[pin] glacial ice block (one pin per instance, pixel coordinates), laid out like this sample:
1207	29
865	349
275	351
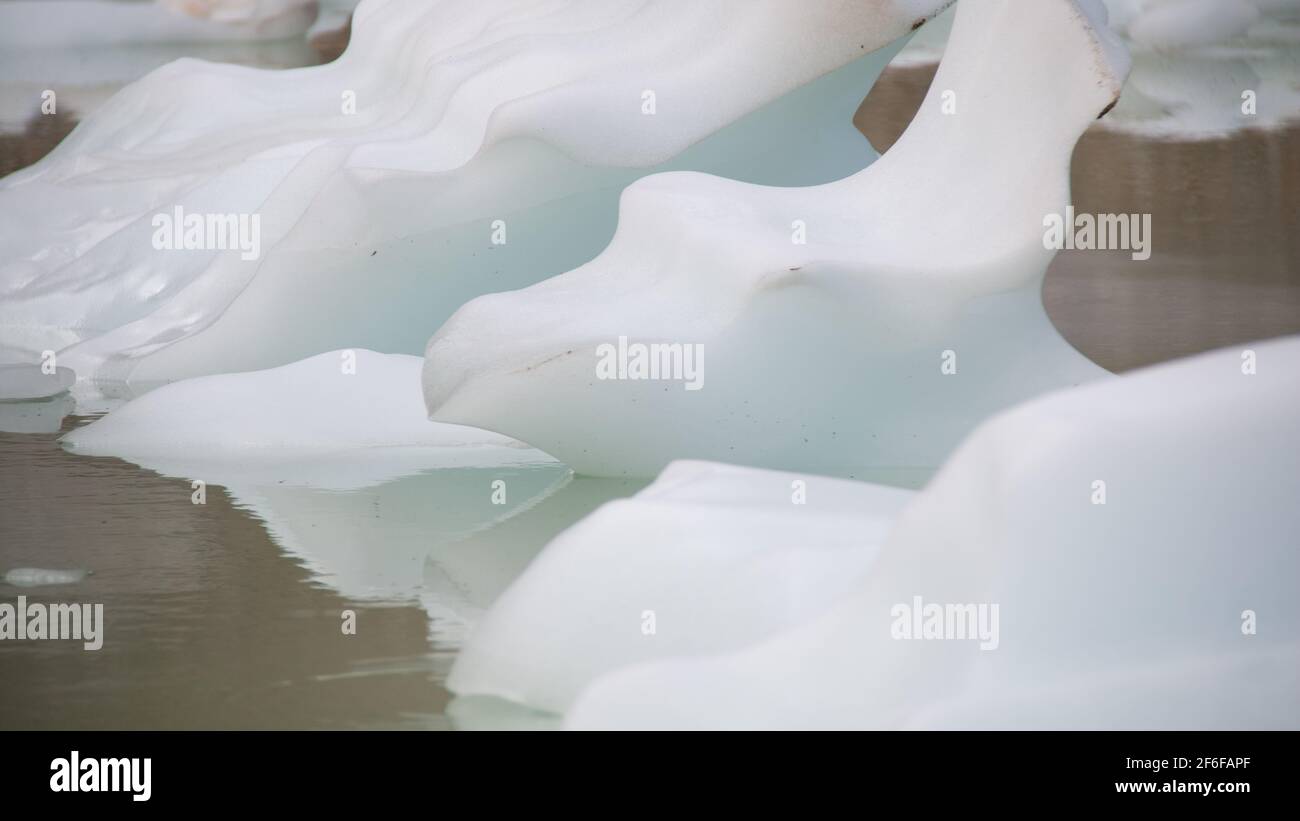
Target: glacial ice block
454	149
1137	537
336	401
709	558
334	455
848	328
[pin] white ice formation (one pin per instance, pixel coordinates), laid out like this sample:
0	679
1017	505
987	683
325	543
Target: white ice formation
709	558
1137	537
334	454
852	328
455	148
341	400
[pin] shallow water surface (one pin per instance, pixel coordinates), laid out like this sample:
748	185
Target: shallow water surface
213	622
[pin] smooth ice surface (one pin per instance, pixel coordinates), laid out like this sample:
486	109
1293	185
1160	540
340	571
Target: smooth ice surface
1171	604
382	179
334	401
707	559
826	355
342	467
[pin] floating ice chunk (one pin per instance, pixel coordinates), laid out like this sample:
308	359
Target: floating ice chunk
335	456
864	324
39	577
707	559
454	149
1137	537
18	381
334	401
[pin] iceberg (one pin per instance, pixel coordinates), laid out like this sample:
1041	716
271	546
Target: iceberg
335	456
1132	540
856	328
454	149
340	400
708	558
1137	537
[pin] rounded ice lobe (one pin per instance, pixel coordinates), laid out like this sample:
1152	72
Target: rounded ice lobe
334	401
707	559
1105	557
1125	604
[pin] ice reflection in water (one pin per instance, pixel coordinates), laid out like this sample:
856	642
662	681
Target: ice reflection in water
228	614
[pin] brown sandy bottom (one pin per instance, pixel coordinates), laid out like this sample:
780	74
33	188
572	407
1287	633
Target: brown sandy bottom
1225	214
210	624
